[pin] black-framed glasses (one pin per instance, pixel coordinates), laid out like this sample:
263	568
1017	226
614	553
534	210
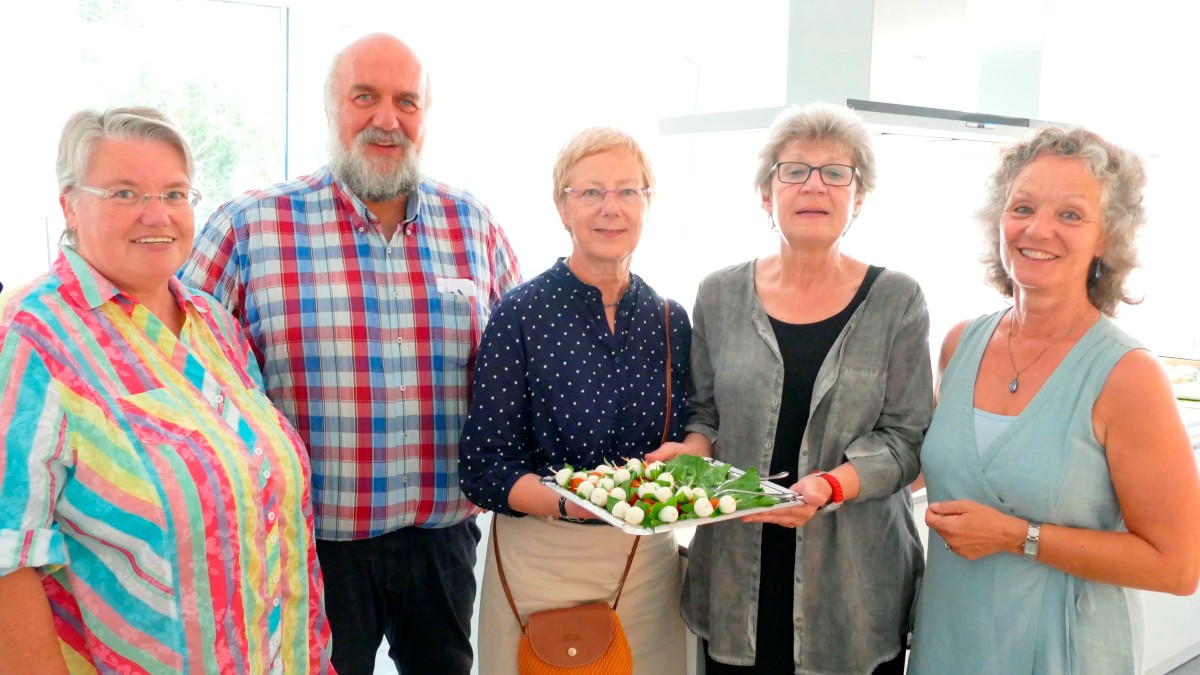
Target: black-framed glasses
833	175
171	199
593	196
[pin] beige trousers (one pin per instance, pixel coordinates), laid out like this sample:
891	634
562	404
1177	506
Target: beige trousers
550	564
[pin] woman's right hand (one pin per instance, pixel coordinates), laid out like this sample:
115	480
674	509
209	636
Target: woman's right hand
694	444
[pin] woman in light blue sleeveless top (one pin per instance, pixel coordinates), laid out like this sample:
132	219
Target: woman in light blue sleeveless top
1056	441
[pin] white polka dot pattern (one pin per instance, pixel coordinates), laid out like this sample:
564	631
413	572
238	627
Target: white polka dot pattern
554	386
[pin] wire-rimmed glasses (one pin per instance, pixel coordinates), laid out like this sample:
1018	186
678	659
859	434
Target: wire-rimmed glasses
593	196
128	197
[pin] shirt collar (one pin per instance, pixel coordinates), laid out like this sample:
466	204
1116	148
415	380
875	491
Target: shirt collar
576	285
358	206
85	286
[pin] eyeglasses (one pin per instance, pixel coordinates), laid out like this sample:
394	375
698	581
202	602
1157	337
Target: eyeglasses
593	196
171	199
833	175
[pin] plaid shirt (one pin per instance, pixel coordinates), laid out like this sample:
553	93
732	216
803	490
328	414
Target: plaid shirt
366	345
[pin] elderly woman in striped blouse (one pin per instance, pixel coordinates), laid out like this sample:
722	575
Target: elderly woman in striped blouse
154	506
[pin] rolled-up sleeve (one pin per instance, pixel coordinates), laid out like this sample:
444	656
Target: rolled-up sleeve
494	449
33	458
888	457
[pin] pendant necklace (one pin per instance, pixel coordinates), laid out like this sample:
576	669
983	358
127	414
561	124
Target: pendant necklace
1013	383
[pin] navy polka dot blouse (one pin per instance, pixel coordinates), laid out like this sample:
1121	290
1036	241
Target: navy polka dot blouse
554	386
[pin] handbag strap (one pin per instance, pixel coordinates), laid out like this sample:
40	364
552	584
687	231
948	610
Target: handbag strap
636	540
508	593
667	328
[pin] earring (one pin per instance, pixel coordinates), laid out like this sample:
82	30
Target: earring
1097	269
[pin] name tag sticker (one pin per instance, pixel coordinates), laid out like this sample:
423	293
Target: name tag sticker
463	287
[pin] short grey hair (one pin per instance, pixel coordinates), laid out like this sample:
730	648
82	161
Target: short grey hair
1121	176
818	122
86	127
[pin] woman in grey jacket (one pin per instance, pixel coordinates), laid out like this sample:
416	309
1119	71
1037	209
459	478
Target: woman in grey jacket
815	363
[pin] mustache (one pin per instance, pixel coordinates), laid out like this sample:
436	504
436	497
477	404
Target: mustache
382	136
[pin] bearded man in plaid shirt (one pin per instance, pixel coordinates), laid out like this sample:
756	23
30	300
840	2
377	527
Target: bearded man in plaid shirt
364	289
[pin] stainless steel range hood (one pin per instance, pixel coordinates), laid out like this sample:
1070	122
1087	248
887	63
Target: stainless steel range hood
853	36
881	118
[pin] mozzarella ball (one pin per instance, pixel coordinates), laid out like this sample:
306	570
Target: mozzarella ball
607	483
621	476
635	466
562	477
599	496
593	478
604	469
663	493
704	508
635	515
687	493
618	493
699	493
585	489
646	489
669	514
620	509
726	504
579	474
666	478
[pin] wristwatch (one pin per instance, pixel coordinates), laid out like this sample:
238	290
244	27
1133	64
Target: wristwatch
1032	536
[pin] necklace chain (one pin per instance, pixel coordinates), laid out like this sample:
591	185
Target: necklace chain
1013	383
607	305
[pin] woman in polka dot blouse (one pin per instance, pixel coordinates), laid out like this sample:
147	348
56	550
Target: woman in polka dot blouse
572	370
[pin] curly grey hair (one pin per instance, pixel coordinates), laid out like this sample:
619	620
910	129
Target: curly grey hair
817	122
1121	177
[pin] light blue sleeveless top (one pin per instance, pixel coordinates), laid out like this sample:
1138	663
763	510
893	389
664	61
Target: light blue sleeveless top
1004	614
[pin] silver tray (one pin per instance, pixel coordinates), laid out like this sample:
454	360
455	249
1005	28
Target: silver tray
788	498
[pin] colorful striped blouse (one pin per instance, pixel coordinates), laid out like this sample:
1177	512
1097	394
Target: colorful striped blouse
163	499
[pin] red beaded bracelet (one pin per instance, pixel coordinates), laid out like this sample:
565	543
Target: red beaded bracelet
836	486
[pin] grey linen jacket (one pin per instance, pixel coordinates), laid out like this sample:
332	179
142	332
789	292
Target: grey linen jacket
857	568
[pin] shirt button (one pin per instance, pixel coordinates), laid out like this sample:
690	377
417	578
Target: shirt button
400	339
389	251
220	398
266	473
403	387
273	538
258	452
271	516
395	294
276	602
362	229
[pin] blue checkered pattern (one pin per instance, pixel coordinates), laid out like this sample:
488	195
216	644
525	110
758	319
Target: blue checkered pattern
359	348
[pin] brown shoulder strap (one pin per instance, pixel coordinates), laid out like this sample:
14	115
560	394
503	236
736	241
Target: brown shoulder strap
667	323
508	594
503	581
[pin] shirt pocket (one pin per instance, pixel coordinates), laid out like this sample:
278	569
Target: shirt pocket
458	329
158	417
